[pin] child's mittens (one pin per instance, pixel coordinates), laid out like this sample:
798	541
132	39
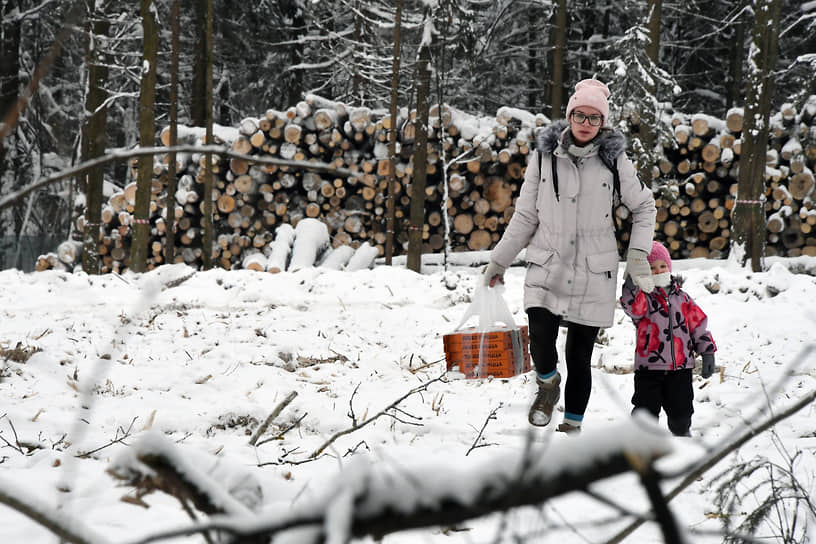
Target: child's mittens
708	365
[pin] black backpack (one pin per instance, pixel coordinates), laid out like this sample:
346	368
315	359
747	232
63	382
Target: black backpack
621	221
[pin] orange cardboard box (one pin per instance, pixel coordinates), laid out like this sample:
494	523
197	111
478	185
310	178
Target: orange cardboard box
503	352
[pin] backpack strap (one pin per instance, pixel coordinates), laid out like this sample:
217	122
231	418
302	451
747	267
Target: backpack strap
554	171
616	196
613	167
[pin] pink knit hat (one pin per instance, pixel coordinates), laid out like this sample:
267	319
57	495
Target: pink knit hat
659	253
592	93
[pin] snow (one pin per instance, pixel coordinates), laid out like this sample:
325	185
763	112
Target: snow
188	363
311	239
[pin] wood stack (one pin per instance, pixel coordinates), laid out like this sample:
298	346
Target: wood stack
694	183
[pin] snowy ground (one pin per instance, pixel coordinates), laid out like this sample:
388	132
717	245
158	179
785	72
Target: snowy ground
204	361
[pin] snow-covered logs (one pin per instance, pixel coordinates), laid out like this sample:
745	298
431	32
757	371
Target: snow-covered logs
695	182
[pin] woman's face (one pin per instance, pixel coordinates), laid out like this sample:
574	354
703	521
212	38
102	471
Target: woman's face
584	131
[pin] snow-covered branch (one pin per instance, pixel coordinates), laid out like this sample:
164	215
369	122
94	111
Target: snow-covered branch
369	498
68	528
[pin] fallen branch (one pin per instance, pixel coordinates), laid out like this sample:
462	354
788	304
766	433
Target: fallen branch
383	412
278	409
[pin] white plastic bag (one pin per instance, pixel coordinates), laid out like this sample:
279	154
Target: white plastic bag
489	306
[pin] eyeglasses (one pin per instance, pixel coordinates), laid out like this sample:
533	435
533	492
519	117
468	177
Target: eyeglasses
594	120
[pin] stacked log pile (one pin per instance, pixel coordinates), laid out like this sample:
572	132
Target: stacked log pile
694	181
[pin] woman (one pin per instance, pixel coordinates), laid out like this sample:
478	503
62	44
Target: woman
572	259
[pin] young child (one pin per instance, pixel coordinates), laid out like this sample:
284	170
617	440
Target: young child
671	328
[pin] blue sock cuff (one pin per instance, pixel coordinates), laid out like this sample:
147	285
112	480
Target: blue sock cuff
569	416
547	376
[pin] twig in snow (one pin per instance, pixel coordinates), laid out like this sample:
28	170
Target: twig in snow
354	449
381	413
490	416
178	281
284	431
278	409
426	365
117	439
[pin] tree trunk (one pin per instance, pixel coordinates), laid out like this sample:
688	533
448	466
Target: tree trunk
392	142
735	84
532	93
648	110
749	218
414	258
558	56
293	11
9	76
198	90
94	138
170	204
147	101
207	220
356	80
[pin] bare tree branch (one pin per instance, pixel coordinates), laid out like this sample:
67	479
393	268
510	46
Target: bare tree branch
384	412
650	480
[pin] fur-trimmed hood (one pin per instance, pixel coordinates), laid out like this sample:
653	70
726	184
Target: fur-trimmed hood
611	143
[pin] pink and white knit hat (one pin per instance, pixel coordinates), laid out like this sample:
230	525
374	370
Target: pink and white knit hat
659	253
592	93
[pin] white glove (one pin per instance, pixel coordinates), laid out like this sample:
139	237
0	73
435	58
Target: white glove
637	267
492	273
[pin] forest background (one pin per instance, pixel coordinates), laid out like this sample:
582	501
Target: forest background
74	82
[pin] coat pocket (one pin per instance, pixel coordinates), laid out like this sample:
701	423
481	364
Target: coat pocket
539	256
603	262
539	262
602	279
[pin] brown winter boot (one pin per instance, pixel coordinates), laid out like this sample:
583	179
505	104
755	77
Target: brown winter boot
542	408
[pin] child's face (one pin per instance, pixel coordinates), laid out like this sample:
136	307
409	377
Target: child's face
659	266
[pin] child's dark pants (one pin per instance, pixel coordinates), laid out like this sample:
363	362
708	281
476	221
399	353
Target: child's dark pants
670	389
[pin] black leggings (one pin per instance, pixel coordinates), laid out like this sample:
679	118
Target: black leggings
543	326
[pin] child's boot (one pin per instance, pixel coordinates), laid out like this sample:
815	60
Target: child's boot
680	426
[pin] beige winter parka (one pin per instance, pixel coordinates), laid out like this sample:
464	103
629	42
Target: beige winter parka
572	256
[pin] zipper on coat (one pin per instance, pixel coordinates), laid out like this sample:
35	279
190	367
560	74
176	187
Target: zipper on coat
671	334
